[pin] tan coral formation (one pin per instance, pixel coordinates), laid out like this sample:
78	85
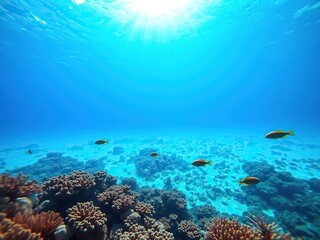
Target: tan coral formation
18	186
9	230
188	230
85	217
225	229
44	223
64	185
120	198
152	230
144	209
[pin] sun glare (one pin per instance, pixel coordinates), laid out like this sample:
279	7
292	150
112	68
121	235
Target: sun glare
155	19
160	8
78	2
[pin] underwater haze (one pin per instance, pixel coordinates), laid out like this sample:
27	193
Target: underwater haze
177	99
101	64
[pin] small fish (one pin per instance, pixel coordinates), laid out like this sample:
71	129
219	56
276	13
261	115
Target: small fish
29	151
279	134
249	180
99	142
154	154
201	163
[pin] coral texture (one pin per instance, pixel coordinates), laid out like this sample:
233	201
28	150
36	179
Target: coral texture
144	209
165	202
152	230
65	185
100	177
44	223
296	201
19	186
120	198
85	217
188	231
10	230
225	229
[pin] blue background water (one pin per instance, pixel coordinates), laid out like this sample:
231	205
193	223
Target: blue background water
233	64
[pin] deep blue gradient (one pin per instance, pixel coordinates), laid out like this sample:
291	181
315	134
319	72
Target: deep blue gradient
253	64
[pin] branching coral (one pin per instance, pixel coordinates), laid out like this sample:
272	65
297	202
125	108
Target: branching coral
100	177
144	209
65	185
225	229
44	223
268	231
165	202
152	230
120	198
10	230
188	231
19	186
170	223
85	217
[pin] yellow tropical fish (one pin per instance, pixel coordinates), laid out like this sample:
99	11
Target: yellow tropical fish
279	134
201	163
249	180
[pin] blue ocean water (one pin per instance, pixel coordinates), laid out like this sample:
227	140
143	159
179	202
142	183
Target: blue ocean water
186	79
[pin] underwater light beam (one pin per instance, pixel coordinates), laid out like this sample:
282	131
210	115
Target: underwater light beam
160	8
156	13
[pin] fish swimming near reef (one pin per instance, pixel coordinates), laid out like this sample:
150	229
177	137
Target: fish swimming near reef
249	181
201	163
101	141
154	154
29	151
279	134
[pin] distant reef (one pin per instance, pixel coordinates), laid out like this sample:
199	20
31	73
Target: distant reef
90	204
296	202
55	164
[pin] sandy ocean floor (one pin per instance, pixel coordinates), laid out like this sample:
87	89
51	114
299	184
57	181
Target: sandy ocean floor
228	151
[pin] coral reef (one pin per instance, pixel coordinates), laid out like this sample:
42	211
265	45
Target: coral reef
188	231
87	220
147	166
151	230
224	228
55	164
119	198
165	202
28	226
52	165
13	231
85	217
100	177
95	207
19	186
49	222
268	231
203	214
132	182
296	201
144	209
72	184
